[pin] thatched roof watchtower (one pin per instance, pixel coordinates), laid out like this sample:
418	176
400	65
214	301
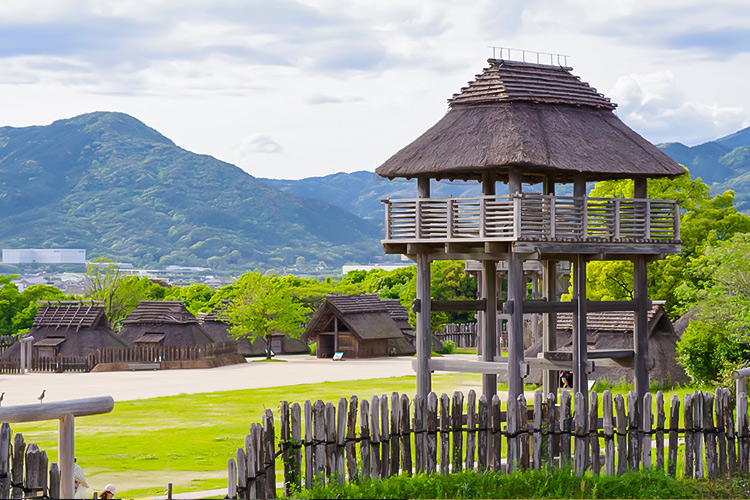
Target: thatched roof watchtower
519	122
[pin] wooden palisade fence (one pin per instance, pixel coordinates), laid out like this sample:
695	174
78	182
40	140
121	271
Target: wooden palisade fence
25	471
442	434
461	334
58	364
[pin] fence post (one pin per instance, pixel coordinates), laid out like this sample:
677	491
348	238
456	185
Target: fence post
565	428
742	431
270	454
471	427
43	472
33	456
405	427
247	471
622	439
698	435
457	411
19	448
593	432
674	423
341	417
351	435
285	431
484	423
709	429
538	440
609	434
513	451
309	466
660	419
296	453
330	433
646	428
395	440
319	435
495	438
721	439
445	452
689	446
54	481
5	460
375	441
553	439
634	455
242	477
385	438
432	430
580	448
523	424
364	437
730	434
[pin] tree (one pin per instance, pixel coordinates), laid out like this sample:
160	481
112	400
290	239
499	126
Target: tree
18	309
704	220
120	293
719	339
261	307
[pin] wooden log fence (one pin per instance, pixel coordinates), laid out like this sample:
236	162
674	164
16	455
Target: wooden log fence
461	334
59	364
25	471
442	435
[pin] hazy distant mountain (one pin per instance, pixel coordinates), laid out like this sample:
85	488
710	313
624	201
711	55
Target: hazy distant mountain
361	192
108	183
722	164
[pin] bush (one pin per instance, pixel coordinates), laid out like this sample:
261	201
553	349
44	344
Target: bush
448	347
313	349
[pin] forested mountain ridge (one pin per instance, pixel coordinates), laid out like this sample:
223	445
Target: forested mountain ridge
106	182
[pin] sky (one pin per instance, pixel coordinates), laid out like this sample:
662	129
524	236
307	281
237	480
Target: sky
300	88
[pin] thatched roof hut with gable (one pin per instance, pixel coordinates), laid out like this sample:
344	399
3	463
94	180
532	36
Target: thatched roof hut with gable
156	323
612	332
68	329
360	326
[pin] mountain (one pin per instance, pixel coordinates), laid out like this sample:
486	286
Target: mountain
108	183
723	164
361	192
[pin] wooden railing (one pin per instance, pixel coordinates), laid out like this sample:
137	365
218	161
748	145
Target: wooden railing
532	216
699	436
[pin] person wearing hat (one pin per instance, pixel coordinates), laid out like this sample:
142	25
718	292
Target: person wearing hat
109	491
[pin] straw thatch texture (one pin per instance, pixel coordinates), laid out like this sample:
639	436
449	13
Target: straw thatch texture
72	329
366	328
614	330
171	318
546	123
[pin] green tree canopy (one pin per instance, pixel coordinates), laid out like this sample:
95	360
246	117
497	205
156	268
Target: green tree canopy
261	307
18	309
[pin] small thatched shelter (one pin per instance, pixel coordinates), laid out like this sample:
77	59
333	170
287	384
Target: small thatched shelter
68	329
157	323
215	324
360	326
613	332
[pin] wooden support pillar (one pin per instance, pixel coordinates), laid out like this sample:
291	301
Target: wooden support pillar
580	336
424	330
516	296
579	186
514	181
335	334
66	455
535	316
640	332
423	187
480	318
488	183
550	378
489	324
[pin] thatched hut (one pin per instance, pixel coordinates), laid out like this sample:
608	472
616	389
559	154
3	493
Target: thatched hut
215	324
612	333
360	326
68	329
156	323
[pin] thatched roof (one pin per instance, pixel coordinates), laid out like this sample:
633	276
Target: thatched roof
365	316
540	119
170	318
614	330
75	329
74	315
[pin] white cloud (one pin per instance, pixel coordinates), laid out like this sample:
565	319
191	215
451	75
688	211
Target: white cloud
656	106
261	143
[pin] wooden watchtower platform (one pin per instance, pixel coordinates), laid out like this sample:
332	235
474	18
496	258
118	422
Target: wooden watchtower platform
530	126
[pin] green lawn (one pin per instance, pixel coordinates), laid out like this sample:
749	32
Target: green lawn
187	439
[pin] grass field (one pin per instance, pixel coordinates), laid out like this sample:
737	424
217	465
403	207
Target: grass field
187	439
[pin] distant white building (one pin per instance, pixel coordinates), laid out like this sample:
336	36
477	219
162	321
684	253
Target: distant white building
370	267
44	255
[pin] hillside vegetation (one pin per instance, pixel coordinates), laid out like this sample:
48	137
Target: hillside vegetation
108	183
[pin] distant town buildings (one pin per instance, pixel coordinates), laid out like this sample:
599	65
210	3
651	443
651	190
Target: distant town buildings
44	256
